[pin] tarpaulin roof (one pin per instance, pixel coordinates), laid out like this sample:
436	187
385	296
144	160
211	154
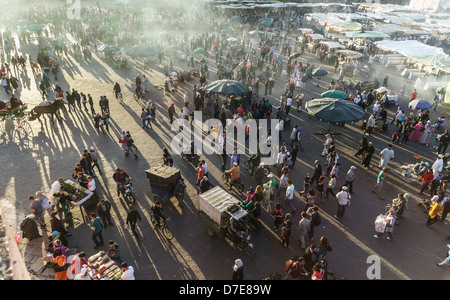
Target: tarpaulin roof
366	34
409	48
438	62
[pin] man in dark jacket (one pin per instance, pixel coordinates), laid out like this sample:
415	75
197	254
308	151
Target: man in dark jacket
103	211
317	172
132	218
443	142
179	192
367	155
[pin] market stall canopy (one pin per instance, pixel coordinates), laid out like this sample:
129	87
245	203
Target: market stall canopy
335	111
343	26
142	50
435	62
409	48
108	48
350	53
366	35
315	36
333	45
388	28
227	87
335	94
306	30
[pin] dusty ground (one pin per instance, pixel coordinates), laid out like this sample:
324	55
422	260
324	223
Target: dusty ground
54	148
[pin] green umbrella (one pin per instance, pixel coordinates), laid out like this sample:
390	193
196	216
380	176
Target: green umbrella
199	51
225	31
319	72
335	111
175	47
335	94
107	48
237	47
265	22
227	87
253	32
33	27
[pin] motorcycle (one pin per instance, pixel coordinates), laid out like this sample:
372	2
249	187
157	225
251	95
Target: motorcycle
327	274
244	245
254	222
425	205
192	158
127	191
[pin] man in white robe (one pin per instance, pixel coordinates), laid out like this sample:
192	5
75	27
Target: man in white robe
387	154
437	166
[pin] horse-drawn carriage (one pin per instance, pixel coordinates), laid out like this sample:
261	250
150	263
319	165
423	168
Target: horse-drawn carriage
14	124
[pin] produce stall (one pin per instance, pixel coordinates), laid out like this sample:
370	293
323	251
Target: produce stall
101	267
79	195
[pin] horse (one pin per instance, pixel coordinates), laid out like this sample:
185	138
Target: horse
51	109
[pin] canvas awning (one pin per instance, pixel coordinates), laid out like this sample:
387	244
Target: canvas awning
366	34
436	62
409	48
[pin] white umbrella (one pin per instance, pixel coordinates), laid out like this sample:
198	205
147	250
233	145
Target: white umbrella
382	89
232	39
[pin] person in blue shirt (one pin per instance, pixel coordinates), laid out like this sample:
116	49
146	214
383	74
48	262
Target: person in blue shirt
96	227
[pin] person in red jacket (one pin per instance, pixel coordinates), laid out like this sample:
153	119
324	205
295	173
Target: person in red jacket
426	177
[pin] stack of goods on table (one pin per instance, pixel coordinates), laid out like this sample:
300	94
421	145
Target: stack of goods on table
103	268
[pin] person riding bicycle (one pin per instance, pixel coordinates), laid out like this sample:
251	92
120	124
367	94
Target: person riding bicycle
157	213
104	104
205	185
237	228
138	91
117	90
121	178
234	173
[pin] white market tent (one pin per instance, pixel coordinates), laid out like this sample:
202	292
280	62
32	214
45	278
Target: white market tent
333	45
316	36
409	48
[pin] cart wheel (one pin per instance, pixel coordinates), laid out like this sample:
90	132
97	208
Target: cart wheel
132	198
210	232
224	177
250	251
240	188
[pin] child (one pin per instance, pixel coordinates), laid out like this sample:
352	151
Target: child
306	184
438	137
278	214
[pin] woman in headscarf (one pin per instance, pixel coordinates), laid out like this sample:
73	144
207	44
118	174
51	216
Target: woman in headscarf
238	270
429	129
29	228
416	133
57	225
61	265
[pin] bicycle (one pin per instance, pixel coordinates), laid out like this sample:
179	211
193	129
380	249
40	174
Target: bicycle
166	231
327	274
139	96
119	96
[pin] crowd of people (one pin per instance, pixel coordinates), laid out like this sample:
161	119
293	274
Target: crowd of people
258	64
